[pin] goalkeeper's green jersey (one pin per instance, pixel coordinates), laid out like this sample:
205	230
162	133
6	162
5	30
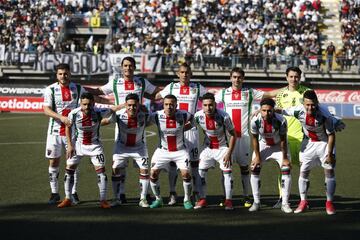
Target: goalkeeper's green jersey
287	99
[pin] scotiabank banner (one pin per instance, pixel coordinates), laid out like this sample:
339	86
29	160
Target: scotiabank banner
21	104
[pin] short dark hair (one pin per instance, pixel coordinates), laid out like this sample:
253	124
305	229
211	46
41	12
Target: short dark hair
87	95
311	94
185	65
130	59
170	96
62	66
267	101
294	69
132	96
209	96
238	70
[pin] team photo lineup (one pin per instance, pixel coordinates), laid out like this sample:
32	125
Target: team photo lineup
291	127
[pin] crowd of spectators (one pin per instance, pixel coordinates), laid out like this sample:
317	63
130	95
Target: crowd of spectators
349	55
218	32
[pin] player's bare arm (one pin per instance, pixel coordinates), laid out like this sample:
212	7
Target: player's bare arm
232	141
255	143
94	91
189	124
70	151
284	150
50	113
330	159
103	100
272	93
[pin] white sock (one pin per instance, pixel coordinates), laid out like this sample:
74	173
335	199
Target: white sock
330	188
203	189
303	187
228	184
76	180
172	178
54	179
285	188
68	183
187	190
255	187
102	183
155	187
245	181
144	185
115	180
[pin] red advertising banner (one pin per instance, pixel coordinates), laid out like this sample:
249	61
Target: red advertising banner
338	96
21	104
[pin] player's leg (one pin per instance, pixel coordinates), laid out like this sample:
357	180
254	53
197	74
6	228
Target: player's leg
242	156
71	165
99	164
330	182
308	159
173	175
227	175
120	161
192	142
142	162
182	160
285	171
160	160
255	187
53	154
206	161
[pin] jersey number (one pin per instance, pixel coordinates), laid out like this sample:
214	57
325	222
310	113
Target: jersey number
100	158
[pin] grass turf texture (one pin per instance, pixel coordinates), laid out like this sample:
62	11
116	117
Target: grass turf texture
24	192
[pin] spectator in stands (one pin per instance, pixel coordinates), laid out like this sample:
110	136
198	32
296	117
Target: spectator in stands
330	51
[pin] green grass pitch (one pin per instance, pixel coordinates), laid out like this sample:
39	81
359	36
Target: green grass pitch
24	191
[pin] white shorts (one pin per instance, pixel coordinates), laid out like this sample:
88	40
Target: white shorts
209	157
271	153
161	159
94	151
54	146
313	154
192	143
242	151
122	154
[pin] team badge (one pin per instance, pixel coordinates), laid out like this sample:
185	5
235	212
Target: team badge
193	91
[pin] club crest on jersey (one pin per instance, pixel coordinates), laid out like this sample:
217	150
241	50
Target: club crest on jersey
311	121
66	95
193	91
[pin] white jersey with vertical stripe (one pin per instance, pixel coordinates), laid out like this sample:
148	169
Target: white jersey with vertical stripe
87	127
187	96
131	130
315	127
238	103
61	100
269	132
121	88
171	129
215	128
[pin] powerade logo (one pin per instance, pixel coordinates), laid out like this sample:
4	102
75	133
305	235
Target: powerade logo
357	110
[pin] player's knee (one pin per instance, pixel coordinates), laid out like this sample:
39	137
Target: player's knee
186	177
100	170
70	171
285	170
304	174
54	162
329	173
244	170
144	174
255	170
194	164
154	175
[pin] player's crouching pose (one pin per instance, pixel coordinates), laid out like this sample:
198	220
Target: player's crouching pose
86	121
215	123
130	143
171	124
317	149
269	141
